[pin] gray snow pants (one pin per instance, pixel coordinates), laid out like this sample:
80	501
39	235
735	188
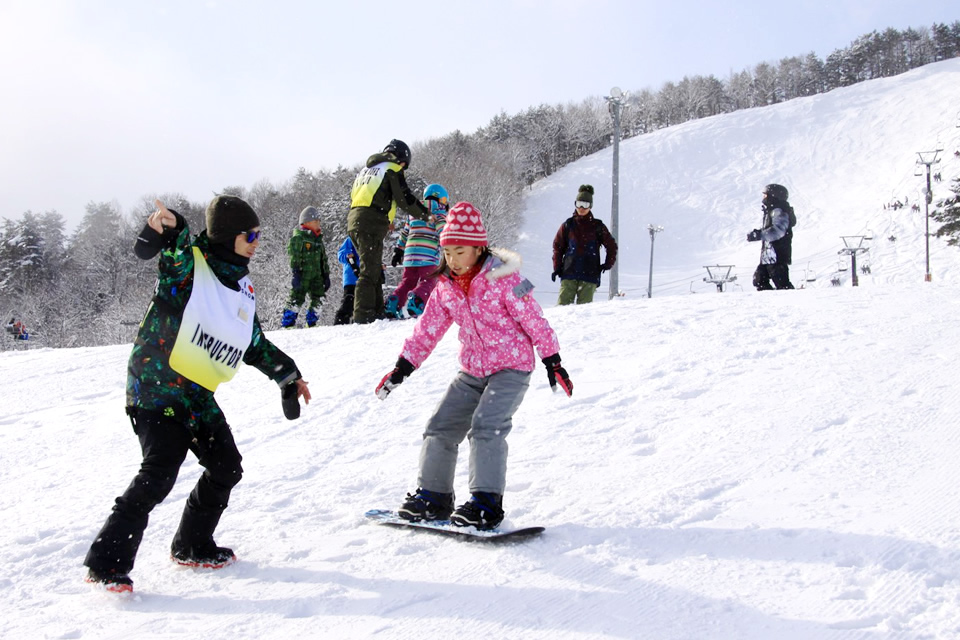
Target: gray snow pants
480	409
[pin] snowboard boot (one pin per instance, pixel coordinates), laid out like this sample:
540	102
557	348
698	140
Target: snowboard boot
391	307
426	505
415	305
483	511
110	581
289	319
312	318
212	557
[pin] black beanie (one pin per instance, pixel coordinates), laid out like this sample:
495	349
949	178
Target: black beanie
227	217
585	193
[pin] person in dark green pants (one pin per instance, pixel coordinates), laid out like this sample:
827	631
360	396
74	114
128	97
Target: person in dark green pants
576	252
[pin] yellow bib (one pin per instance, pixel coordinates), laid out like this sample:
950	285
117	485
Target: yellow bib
216	328
366	184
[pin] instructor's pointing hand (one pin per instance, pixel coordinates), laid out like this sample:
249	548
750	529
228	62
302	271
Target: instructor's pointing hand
161	218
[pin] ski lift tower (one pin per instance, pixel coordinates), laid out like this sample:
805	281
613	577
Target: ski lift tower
616	102
654	229
928	158
719	274
852	246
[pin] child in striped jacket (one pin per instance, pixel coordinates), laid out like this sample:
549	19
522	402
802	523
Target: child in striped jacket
418	250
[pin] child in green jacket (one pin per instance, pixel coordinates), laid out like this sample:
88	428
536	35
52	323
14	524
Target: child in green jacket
308	264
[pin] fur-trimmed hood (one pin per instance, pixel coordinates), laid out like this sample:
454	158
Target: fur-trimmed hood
502	262
500	321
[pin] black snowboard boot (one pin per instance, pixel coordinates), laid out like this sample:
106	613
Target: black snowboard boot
212	557
426	505
110	581
483	511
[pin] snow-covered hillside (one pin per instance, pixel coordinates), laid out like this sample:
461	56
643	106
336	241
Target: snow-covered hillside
843	155
737	466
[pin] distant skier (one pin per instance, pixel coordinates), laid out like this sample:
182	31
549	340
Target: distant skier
418	250
17	329
500	324
576	252
777	236
199	327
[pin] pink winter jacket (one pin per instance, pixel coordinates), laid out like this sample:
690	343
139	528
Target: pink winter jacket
498	327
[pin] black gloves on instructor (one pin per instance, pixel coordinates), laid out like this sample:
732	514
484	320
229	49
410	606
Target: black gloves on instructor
290	395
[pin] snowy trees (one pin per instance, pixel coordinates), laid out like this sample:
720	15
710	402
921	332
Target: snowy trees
31	256
948	214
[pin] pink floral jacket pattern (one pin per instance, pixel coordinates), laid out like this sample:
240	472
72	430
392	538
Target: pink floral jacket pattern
500	322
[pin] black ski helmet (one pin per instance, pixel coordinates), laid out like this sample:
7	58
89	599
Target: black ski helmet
776	191
400	150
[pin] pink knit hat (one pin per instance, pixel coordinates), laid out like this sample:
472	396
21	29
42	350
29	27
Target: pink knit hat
464	227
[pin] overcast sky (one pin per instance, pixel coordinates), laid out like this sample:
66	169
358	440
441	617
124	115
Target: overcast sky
112	100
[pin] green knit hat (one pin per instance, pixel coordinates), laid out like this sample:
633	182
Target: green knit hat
227	217
585	194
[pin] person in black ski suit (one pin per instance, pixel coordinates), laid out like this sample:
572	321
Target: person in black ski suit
777	236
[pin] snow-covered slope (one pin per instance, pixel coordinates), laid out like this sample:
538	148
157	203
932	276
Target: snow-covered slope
737	466
843	155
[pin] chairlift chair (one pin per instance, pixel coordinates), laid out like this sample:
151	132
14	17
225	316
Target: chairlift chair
719	274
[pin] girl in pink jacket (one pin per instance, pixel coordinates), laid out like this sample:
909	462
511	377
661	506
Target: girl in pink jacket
500	324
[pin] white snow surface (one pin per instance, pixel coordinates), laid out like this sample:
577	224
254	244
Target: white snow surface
731	466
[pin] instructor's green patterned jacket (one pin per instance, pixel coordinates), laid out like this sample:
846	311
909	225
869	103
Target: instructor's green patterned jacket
151	384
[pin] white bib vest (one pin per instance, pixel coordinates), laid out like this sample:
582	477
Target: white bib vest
216	328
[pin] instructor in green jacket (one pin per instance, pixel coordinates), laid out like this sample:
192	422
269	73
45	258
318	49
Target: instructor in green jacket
200	326
377	192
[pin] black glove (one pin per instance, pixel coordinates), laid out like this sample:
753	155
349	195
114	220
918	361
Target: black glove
557	374
352	261
754	235
397	259
553	276
393	379
290	401
604	267
297	278
326	282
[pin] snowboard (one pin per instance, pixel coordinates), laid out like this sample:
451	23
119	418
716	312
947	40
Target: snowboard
445	527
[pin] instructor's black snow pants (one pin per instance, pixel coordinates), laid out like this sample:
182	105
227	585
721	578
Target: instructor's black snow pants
165	443
777	272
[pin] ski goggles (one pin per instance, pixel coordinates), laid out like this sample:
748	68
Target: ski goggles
583	204
438	204
251	236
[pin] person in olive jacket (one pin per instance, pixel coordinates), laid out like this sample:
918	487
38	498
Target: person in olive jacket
576	251
377	192
199	327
